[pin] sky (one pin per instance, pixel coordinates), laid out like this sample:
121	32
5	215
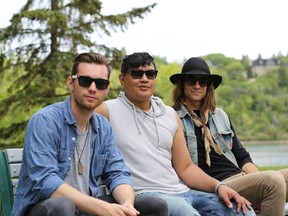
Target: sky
180	29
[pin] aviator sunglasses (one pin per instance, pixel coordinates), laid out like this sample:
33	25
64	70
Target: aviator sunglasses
138	74
203	81
86	81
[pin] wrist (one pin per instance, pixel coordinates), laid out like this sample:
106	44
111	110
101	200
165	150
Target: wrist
217	187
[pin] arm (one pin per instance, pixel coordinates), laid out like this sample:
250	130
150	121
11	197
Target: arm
196	178
95	206
242	156
249	168
124	195
191	174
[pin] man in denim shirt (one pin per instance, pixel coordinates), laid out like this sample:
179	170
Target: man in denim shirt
213	144
68	147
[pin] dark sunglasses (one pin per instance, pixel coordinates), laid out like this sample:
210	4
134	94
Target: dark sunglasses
138	74
203	81
86	81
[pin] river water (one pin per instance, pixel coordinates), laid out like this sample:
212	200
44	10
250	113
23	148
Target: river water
269	155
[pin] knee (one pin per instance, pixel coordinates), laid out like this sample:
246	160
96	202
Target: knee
151	206
274	180
65	208
158	207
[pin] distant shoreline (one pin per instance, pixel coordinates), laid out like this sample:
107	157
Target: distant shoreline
256	142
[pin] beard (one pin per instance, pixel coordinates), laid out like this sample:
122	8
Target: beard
82	104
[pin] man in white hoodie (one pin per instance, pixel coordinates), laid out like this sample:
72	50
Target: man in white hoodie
150	137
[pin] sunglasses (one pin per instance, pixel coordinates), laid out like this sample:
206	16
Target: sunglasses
203	81
86	81
138	74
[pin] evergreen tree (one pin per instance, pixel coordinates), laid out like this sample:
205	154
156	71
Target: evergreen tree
41	43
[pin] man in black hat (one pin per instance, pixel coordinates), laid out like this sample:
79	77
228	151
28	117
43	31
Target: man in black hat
213	144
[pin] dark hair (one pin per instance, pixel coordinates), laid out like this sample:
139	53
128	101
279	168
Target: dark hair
91	57
208	102
136	60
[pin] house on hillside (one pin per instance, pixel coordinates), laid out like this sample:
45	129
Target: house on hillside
261	66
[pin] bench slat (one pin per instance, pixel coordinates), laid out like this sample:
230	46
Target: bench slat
14	170
14	155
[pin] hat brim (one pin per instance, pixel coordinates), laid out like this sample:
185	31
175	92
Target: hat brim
216	79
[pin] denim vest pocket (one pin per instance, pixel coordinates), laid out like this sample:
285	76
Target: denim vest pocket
223	128
227	136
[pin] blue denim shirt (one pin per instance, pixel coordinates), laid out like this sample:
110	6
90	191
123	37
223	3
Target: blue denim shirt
50	140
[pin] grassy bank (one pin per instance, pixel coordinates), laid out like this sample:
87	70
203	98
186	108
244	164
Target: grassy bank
272	168
269	142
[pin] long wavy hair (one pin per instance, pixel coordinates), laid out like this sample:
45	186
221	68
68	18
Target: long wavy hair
207	103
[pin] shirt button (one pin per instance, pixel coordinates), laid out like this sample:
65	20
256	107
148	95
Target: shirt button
73	138
69	158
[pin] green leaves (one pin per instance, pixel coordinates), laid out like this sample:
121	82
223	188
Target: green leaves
39	47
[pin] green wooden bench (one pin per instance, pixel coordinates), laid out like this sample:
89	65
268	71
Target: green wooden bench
10	164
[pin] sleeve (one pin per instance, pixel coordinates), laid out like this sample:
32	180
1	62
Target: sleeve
241	154
41	156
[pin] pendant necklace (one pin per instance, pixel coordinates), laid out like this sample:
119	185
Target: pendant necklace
79	163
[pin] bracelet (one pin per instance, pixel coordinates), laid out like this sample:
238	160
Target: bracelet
217	186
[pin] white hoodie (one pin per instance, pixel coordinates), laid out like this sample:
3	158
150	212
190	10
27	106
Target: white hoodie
145	140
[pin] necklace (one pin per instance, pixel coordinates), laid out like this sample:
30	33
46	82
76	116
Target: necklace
79	163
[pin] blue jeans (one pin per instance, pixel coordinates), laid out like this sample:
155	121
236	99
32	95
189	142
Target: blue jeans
177	206
196	202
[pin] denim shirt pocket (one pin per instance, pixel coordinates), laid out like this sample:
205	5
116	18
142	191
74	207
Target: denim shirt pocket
64	161
98	165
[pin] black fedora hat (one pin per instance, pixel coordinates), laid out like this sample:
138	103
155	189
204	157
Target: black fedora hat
196	66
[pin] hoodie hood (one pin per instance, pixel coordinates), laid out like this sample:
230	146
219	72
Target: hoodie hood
157	109
157	106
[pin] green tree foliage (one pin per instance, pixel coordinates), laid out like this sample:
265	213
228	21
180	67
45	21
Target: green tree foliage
283	77
164	86
257	106
39	46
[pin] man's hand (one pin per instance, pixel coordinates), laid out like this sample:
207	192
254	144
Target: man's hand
226	194
132	210
119	210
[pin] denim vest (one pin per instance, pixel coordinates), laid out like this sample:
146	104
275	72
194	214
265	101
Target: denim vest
220	129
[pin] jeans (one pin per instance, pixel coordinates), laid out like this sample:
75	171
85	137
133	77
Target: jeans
147	206
52	207
177	206
196	202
